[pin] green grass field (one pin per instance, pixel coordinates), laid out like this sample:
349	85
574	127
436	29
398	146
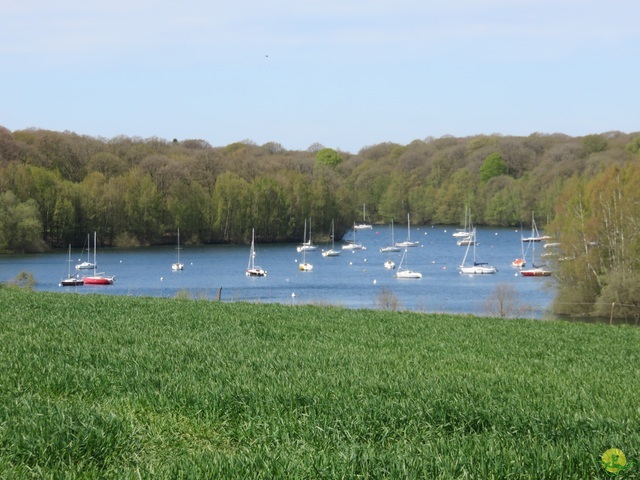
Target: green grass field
97	386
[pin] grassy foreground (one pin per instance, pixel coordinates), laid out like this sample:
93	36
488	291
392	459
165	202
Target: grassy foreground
123	387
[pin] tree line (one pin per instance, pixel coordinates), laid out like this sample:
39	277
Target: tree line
55	187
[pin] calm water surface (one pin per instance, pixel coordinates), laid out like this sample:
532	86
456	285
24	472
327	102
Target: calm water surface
352	280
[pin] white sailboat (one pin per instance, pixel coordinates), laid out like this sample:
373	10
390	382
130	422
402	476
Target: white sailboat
408	242
403	271
354	244
252	269
332	252
87	265
177	265
467	238
464	232
535	270
71	280
364	225
535	234
466	241
476	268
306	245
392	247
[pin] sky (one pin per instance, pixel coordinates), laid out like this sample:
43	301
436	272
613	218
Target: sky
347	74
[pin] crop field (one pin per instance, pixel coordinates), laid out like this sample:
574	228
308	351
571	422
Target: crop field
98	386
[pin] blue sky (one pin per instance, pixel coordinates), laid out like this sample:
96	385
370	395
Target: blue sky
346	74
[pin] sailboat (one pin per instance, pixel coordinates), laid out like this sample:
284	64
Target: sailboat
408	242
464	232
97	278
252	269
87	265
332	252
71	280
353	244
403	271
477	267
392	247
304	266
535	270
306	245
178	265
467	238
535	234
520	262
364	225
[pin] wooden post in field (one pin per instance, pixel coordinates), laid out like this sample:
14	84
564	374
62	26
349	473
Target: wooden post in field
219	293
611	316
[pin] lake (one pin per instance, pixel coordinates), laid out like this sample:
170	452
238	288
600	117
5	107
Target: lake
355	279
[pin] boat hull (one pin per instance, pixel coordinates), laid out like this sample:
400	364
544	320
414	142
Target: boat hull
72	282
331	253
177	266
407	244
408	274
256	272
353	246
535	272
86	266
306	248
478	270
465	242
519	263
98	280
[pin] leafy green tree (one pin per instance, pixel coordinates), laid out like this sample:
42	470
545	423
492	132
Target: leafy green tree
268	201
64	215
143	206
20	225
454	195
187	206
394	203
93	203
493	166
231	199
601	239
577	275
634	146
594	144
328	156
107	163
502	201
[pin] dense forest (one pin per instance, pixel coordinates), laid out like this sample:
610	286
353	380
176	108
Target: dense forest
55	187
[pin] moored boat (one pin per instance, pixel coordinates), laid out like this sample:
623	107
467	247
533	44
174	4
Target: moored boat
71	280
177	265
252	269
97	278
